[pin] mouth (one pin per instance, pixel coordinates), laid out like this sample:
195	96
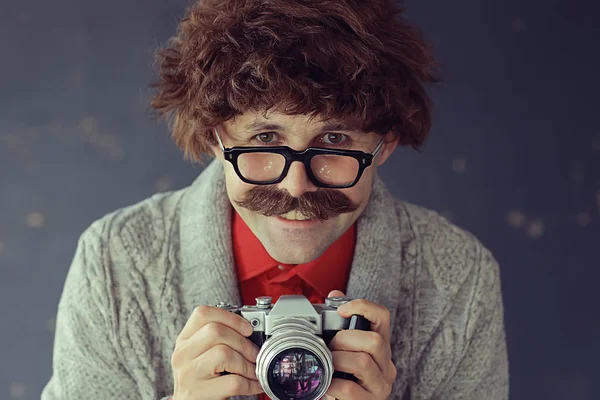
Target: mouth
294	216
297	220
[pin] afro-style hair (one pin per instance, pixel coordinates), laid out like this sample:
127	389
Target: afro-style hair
342	59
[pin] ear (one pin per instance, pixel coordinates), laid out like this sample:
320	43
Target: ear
390	144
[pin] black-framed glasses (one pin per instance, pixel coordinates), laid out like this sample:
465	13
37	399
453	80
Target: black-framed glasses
326	168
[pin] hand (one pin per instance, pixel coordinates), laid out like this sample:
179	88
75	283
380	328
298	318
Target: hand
213	341
365	354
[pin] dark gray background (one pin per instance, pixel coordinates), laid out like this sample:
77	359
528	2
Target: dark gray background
514	157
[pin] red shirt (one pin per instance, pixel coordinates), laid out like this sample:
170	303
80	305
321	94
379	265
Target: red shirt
260	275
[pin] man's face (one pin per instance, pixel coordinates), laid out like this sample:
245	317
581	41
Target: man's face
287	238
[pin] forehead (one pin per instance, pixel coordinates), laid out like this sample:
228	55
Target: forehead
277	121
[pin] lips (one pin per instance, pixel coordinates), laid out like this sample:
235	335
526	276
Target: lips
294	216
295	224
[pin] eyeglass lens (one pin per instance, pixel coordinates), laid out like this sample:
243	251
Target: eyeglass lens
328	169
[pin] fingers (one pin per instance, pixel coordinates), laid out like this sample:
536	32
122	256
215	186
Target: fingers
222	358
212	334
369	342
365	354
214	341
204	314
378	315
345	389
336	293
230	385
364	368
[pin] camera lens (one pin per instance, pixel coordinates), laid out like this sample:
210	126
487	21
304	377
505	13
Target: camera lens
296	374
294	363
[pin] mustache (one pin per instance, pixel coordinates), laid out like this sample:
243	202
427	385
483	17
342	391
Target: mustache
322	204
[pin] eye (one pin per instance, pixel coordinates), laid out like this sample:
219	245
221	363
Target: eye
334	138
265	137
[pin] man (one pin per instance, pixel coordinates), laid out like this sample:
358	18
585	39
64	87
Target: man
299	101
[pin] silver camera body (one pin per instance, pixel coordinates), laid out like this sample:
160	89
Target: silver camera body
294	361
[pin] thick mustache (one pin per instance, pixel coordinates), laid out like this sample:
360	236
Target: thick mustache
322	204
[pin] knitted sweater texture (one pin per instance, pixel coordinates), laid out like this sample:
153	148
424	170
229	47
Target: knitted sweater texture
138	273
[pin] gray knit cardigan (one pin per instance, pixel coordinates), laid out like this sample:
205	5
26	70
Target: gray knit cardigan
138	273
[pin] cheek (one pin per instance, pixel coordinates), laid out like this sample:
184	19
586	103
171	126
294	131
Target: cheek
359	194
236	189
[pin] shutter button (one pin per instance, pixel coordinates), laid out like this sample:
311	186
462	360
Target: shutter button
264	301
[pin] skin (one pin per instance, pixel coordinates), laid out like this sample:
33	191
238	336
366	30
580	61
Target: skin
289	243
214	340
367	355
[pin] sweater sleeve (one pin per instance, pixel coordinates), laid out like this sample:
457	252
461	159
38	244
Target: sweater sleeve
482	371
86	362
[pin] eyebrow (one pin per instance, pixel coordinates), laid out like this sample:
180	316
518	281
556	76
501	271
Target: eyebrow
332	126
263	126
342	126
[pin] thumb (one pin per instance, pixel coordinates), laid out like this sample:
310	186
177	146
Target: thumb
336	293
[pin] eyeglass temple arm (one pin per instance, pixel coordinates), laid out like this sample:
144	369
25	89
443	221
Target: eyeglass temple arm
219	140
379	146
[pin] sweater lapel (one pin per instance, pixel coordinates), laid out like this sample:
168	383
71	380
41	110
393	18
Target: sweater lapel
376	272
207	271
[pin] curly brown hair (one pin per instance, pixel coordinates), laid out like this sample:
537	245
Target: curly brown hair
342	59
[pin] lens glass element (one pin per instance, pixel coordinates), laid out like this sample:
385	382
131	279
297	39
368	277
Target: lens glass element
296	374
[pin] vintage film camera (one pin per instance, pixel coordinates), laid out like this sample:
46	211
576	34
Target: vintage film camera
294	361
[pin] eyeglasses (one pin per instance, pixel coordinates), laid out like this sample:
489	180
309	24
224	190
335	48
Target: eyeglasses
326	168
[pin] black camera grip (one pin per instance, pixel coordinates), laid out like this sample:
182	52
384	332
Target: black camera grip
356	322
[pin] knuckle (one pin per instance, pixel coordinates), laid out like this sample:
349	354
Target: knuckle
213	330
201	312
385	313
222	353
393	370
376	341
177	358
179	343
373	341
348	389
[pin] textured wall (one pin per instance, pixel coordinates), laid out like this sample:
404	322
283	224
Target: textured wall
514	157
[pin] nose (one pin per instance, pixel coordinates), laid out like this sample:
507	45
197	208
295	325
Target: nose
297	181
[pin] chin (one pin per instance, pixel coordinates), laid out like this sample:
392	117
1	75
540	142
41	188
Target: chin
290	241
293	251
293	257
